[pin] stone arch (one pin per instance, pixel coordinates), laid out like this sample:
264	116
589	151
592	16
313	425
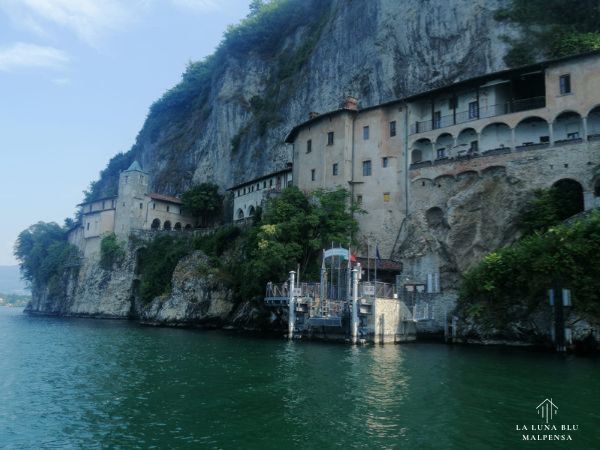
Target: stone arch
593	121
444	179
532	130
155	224
467	141
167	225
422	150
567	126
422	182
568	197
434	217
240	214
251	211
495	136
467	174
177	226
443	145
494	170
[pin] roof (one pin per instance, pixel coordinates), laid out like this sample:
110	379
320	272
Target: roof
135	166
383	264
292	134
165	198
478	79
97	200
264	177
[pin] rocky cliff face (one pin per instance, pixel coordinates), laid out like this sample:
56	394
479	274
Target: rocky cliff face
376	50
197	297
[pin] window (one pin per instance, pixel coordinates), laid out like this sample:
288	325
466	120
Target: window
244	191
126	178
264	184
141	206
334	170
574	135
367	168
271	182
366	132
309	146
258	186
473	110
441	153
437	119
252	188
154	205
392	128
168	208
330	138
565	84
88	226
359	200
384	161
386	197
312	174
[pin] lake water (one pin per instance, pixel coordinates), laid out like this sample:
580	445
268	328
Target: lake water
82	383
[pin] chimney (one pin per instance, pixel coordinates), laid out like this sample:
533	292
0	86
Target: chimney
350	103
312	115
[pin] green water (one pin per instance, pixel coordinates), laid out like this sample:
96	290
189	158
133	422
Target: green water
81	383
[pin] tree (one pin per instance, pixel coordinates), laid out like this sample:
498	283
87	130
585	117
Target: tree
44	253
203	201
294	229
551	28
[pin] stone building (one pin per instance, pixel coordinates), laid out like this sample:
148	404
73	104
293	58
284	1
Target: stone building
133	208
250	195
414	164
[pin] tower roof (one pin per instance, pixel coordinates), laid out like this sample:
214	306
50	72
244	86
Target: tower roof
135	166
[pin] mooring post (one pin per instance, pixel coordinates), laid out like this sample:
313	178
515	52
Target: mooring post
292	306
354	323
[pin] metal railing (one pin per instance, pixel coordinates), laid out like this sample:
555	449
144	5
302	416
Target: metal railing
481	112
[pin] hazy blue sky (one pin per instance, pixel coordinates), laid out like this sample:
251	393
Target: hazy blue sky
76	80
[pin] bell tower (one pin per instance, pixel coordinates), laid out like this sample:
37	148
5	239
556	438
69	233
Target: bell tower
132	203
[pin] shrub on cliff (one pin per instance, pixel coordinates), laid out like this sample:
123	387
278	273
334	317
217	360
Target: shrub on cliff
44	254
157	261
510	283
111	251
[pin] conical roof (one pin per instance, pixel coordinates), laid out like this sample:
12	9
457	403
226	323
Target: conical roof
135	166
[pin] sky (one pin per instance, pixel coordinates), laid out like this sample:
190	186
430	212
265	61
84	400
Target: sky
76	80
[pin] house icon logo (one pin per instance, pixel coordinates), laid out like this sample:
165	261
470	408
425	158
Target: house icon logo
547	409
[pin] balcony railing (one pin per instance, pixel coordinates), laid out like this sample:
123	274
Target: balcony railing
478	113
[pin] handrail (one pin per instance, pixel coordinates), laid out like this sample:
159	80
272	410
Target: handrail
480	112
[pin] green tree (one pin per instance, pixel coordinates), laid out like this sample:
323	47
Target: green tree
111	251
44	254
204	201
510	283
294	229
551	28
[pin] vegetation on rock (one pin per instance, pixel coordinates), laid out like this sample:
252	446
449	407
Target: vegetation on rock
293	230
44	255
551	29
510	284
111	251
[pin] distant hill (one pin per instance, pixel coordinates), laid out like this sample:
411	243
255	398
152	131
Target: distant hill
10	281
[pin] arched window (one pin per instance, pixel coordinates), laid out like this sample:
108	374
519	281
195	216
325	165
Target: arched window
495	136
240	214
178	226
251	211
422	150
531	131
167	225
567	126
568	197
155	224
